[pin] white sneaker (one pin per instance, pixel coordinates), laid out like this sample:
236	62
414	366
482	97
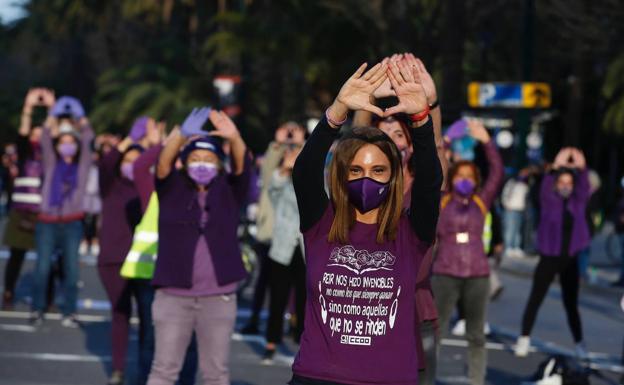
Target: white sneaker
83	249
486	329
522	346
70	322
36	319
581	351
459	329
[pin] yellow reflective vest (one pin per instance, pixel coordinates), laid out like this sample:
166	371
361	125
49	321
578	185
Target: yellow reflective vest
141	259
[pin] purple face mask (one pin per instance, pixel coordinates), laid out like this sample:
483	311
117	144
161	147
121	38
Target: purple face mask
464	187
202	172
367	194
67	149
127	170
565	192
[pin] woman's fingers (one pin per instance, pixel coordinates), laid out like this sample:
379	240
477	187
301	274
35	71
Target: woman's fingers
394	110
395	75
372	72
393	80
407	73
380	74
359	71
374	109
380	81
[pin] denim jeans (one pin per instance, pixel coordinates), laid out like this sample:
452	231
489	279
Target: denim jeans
49	237
145	298
513	229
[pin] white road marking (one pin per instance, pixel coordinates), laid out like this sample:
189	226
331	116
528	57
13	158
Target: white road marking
18	328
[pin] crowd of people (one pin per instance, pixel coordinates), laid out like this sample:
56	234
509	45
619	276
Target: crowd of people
372	231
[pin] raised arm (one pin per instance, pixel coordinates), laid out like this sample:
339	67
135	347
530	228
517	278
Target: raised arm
107	170
48	155
547	190
309	174
272	158
435	113
169	154
227	130
496	171
309	169
142	172
425	195
425	199
582	187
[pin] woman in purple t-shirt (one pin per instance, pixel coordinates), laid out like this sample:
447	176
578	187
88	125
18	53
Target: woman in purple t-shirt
363	250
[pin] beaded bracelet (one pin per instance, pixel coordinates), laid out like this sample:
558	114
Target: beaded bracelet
333	122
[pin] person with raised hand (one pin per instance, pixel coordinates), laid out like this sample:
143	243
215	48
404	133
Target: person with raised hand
562	233
362	249
66	151
461	268
199	261
26	194
287	136
285	255
121	212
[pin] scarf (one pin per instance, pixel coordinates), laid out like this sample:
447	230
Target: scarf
63	182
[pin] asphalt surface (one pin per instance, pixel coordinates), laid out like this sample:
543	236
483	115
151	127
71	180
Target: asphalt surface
52	354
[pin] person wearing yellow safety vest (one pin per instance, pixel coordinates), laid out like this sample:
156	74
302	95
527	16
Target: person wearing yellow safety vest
121	212
461	267
139	266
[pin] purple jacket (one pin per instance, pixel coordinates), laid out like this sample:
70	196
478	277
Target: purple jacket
550	230
121	210
72	208
460	250
179	227
143	176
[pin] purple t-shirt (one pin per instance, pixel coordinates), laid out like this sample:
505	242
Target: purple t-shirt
360	313
204	277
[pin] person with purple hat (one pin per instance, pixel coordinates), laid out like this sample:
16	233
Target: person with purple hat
199	260
363	250
66	156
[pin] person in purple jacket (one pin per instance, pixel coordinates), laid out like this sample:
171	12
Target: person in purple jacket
121	212
461	270
66	156
363	250
562	233
143	178
199	261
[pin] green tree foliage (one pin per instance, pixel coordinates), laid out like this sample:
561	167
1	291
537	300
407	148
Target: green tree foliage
158	57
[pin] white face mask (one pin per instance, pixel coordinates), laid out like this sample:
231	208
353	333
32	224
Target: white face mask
65	127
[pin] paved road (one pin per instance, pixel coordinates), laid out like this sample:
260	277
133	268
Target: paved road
55	355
